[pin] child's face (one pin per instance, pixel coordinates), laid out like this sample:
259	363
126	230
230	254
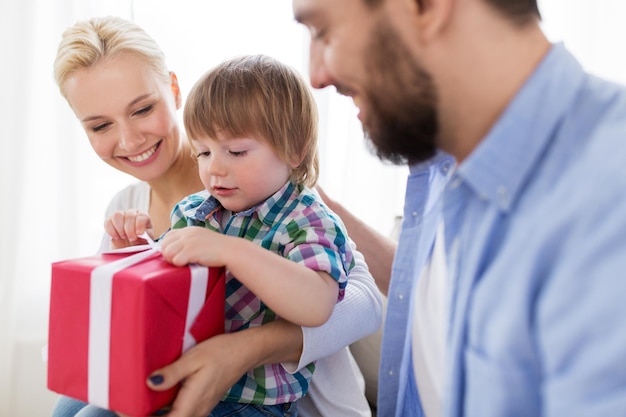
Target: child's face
240	172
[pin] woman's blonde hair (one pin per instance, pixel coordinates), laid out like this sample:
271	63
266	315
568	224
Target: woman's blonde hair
89	42
257	95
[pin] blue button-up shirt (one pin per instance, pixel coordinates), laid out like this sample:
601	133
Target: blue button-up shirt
537	283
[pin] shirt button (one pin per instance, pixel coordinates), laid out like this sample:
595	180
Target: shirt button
401	297
391	373
414	214
503	195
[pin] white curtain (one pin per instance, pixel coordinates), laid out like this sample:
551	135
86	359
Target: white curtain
54	189
48	176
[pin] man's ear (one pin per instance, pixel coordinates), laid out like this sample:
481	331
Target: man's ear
432	16
176	89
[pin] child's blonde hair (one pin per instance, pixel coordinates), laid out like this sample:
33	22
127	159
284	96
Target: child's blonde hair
258	96
89	42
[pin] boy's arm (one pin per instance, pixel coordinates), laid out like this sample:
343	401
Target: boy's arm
292	290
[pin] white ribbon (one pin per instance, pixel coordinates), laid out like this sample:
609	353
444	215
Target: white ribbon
197	295
100	297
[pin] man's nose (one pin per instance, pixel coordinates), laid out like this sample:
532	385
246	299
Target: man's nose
318	71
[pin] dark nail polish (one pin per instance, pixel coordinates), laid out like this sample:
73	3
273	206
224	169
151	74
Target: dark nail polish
156	379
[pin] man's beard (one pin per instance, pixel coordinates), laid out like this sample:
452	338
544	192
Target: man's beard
401	125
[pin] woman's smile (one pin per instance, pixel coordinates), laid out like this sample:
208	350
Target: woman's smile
144	157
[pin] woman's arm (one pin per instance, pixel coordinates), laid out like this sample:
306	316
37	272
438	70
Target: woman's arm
356	316
360	312
212	367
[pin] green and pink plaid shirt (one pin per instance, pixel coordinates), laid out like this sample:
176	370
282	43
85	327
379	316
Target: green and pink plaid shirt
295	224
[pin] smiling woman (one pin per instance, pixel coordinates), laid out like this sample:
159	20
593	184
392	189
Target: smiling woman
58	188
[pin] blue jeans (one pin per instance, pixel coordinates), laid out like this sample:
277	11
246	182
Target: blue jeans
226	409
69	407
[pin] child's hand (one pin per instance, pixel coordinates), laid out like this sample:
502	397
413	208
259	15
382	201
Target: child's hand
194	245
125	226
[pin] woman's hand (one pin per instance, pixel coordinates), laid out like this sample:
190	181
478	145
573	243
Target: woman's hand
209	369
125	227
206	372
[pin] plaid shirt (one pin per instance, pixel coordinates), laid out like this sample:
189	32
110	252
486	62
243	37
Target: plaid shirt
292	223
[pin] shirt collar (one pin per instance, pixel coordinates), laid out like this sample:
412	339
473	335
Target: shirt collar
441	160
501	164
266	211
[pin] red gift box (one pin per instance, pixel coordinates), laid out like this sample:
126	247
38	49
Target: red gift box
115	318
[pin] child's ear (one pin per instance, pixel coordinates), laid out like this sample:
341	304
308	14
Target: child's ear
296	161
